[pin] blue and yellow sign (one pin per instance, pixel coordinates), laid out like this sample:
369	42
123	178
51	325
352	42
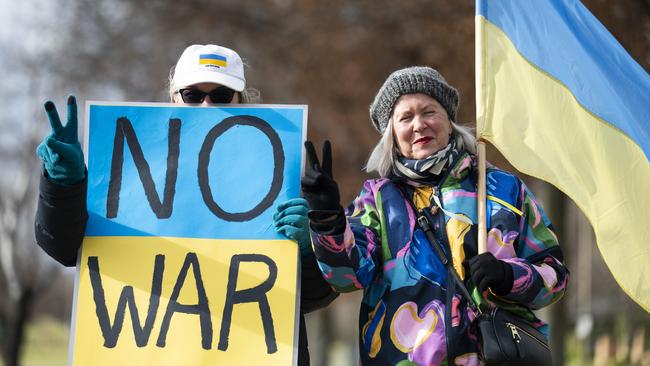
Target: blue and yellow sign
181	263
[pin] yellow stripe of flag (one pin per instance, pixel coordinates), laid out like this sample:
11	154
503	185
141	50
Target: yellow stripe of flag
211	61
539	126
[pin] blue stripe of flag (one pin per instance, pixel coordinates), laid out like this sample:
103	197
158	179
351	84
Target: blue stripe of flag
562	38
212	56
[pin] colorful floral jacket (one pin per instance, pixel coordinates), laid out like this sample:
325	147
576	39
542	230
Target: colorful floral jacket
412	312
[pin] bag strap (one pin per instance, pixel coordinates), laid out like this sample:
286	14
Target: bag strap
423	222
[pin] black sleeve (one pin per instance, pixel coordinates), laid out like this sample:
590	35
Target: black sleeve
315	292
60	220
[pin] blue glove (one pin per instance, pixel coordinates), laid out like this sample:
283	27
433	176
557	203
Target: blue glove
291	221
60	151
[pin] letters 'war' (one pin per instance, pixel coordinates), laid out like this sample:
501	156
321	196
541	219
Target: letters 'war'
142	332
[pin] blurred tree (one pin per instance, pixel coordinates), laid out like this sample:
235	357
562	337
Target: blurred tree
20	274
24	276
25	272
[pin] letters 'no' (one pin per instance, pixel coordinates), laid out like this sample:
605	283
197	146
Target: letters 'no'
163	209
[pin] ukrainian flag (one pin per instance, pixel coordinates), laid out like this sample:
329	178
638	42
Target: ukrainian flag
563	101
213	59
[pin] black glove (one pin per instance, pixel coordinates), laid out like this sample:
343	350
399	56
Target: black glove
489	272
321	192
318	186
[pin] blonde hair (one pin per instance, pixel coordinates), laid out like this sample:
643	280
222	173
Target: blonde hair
382	157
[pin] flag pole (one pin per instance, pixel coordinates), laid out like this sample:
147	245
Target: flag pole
481	199
480	120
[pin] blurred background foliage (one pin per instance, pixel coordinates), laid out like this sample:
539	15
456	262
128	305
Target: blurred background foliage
331	55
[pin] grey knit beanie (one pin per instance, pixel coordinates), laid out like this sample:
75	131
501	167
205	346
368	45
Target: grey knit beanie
411	80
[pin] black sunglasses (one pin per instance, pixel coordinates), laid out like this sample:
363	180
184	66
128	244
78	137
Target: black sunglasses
221	94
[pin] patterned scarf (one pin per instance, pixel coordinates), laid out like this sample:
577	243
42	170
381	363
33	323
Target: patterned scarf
429	169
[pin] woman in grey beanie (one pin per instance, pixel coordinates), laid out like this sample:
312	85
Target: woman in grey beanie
412	311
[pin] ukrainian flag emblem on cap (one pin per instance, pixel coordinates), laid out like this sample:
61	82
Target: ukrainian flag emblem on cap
212	59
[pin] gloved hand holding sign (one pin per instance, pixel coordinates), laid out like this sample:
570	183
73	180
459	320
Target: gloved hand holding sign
291	221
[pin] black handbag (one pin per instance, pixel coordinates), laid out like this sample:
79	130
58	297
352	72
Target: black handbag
505	339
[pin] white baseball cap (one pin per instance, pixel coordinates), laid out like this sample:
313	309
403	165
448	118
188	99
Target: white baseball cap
209	64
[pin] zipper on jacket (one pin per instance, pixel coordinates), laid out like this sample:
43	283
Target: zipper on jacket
440	216
451	288
440	220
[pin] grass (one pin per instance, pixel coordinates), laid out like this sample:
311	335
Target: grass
46	343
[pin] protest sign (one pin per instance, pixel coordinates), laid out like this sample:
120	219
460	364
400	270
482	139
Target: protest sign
181	263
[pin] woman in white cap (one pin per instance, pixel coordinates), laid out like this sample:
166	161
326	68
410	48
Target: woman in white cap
414	311
210	74
205	75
